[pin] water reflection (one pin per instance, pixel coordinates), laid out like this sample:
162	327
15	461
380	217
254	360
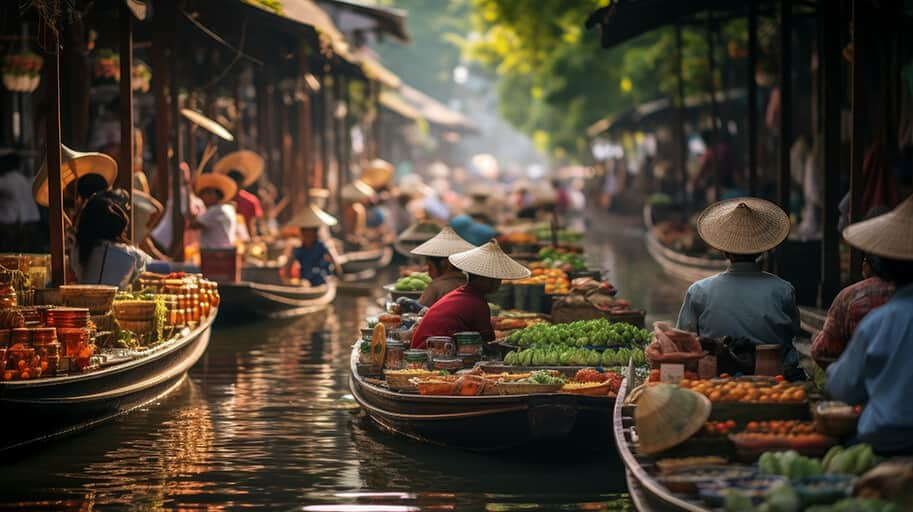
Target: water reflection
266	419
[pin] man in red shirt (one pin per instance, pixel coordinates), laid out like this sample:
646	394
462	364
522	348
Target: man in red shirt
465	309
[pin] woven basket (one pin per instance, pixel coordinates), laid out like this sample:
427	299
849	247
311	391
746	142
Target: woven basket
518	388
97	298
134	310
600	390
104	322
399	380
138	327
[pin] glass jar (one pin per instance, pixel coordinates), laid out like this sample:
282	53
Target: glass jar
450	364
468	343
416	359
394	359
441	346
364	352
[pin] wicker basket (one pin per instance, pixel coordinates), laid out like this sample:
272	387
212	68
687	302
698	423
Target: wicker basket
835	425
134	310
523	388
401	380
97	298
600	390
104	322
138	327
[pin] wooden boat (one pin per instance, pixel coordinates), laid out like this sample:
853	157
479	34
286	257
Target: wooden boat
483	423
645	492
675	263
362	265
40	410
261	294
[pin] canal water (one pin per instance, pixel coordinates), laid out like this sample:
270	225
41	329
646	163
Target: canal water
264	420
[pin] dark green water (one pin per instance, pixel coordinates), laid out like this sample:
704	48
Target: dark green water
264	421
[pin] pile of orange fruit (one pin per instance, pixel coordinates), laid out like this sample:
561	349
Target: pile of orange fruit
733	390
554	279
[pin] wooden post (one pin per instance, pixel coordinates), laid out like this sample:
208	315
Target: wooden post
125	164
682	156
752	98
159	79
829	49
305	132
714	108
55	191
786	103
177	182
320	127
341	171
861	15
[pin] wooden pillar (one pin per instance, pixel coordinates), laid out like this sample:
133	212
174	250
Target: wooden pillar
162	187
752	98
714	107
341	170
177	182
55	191
125	164
682	147
831	78
786	102
305	132
861	15
347	130
320	157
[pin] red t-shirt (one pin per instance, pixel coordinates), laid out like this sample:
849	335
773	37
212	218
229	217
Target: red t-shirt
463	309
248	205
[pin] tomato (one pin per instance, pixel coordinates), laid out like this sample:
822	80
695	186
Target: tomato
730	424
779	378
752	425
724	375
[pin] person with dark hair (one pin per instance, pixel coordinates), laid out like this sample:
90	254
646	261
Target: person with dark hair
17	209
445	277
316	260
87	186
218	225
744	301
874	369
101	254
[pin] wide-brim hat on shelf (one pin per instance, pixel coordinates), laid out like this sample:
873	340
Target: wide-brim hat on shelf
220	182
74	165
378	173
248	163
446	243
889	235
311	216
489	261
207	124
356	191
744	225
414	236
667	415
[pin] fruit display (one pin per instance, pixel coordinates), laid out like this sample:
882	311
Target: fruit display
566	355
554	279
738	390
855	460
789	464
544	234
551	257
542	377
414	282
583	333
517	238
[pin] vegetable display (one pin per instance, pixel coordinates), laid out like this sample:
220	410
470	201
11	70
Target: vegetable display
567	261
414	282
566	355
581	334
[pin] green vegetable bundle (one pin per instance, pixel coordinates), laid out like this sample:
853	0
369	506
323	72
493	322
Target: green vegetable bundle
567	355
582	333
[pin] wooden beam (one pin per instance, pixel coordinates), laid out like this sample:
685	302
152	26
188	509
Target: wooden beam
752	98
55	191
859	78
830	73
159	80
125	163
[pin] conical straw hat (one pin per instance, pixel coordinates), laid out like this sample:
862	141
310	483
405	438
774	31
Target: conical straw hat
444	244
311	216
74	165
219	182
207	124
378	173
356	191
889	235
414	236
489	261
248	163
745	225
667	415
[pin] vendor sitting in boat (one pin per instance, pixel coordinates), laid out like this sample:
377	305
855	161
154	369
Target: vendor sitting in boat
244	167
102	254
744	301
874	370
445	277
316	260
465	309
218	225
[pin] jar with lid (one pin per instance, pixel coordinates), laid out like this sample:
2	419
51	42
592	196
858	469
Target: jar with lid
364	352
416	359
468	343
395	359
450	364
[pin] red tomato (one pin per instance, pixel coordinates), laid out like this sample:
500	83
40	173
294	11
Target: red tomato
724	375
779	378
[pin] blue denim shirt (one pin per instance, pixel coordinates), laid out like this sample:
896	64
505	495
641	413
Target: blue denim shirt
875	370
744	302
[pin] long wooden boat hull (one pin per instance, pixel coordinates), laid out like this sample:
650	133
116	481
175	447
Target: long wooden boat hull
484	423
362	265
248	300
674	263
44	409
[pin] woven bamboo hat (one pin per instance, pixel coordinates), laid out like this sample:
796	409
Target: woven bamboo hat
489	261
414	236
311	216
444	244
207	124
889	235
667	415
356	191
248	163
220	182
744	225
74	165
378	173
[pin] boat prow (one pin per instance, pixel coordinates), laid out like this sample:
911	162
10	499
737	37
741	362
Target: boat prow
246	299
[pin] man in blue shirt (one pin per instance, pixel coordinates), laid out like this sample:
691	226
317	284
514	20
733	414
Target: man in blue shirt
874	370
744	301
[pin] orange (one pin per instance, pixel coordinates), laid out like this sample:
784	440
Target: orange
714	396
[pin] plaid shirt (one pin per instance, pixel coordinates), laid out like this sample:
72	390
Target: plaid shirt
848	309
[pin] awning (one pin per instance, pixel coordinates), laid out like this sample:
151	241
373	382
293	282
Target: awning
376	71
436	112
306	12
395	103
359	16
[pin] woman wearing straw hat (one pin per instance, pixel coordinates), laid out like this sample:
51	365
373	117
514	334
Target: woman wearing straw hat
465	309
315	259
744	301
874	370
445	277
218	225
244	167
